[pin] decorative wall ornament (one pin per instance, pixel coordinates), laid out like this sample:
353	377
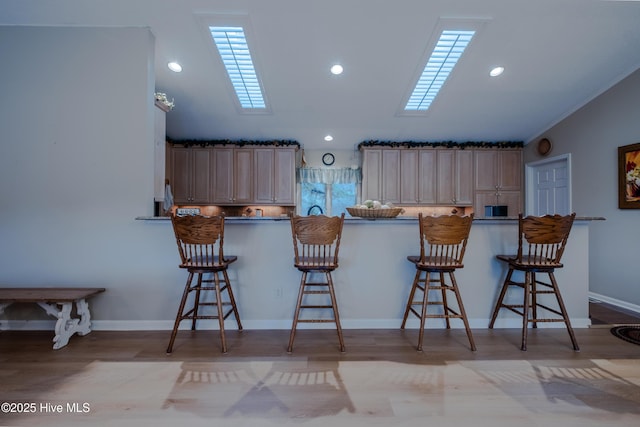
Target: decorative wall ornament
162	99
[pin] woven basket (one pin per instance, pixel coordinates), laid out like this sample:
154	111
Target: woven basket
374	213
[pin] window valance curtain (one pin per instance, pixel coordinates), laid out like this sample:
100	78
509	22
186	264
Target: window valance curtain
329	176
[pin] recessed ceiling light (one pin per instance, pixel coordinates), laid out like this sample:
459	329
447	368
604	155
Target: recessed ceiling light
495	72
337	69
328	138
175	67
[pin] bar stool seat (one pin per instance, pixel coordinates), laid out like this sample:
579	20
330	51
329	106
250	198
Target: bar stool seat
200	242
316	242
541	243
443	241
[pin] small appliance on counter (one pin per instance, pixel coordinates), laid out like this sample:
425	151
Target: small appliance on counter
495	210
187	211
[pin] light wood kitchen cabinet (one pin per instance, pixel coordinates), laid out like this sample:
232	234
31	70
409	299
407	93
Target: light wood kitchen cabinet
418	175
190	175
498	180
232	176
274	179
382	179
454	177
371	174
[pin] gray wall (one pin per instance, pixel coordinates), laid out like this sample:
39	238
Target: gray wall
76	162
592	136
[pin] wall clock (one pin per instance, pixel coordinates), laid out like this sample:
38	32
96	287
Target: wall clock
544	146
328	159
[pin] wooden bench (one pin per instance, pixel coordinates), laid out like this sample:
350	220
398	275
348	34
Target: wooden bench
57	302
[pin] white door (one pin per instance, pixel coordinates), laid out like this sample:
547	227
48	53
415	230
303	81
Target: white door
548	186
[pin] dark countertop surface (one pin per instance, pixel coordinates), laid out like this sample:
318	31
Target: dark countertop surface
348	219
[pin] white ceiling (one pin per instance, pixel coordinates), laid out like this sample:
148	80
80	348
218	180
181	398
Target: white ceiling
558	55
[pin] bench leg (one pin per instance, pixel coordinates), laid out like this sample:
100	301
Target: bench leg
65	325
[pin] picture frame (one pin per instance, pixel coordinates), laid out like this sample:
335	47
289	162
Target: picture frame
629	176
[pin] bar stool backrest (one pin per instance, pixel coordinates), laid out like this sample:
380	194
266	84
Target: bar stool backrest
542	239
443	239
200	240
316	240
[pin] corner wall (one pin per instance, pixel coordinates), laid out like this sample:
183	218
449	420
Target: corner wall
592	135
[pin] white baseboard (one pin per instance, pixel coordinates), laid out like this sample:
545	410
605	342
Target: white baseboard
167	325
618	303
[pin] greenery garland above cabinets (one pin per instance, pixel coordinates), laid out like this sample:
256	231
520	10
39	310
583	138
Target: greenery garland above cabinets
444	144
235	142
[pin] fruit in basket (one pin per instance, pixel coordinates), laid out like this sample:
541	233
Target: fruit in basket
374	204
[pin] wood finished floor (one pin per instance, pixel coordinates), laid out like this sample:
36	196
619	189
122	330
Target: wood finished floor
126	379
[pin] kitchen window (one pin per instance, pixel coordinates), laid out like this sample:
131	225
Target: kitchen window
328	191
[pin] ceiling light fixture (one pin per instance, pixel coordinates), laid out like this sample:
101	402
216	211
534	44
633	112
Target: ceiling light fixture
175	67
337	69
234	52
328	138
495	72
444	57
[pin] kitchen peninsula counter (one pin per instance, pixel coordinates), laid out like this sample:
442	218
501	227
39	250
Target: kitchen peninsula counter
374	277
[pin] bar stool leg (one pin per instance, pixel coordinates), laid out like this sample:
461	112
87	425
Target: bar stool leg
563	310
303	282
183	301
525	309
423	314
463	313
534	300
216	280
445	305
232	299
334	304
414	286
503	292
196	303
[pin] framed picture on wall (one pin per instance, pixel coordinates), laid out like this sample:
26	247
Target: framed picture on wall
629	176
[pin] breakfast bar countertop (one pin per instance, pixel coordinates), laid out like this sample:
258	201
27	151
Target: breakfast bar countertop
352	219
374	280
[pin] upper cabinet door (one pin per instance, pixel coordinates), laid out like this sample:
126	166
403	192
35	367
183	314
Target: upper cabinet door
511	170
264	171
464	174
409	176
285	176
371	175
455	177
418	176
223	171
498	169
486	169
201	176
390	176
243	175
190	175
180	161
275	176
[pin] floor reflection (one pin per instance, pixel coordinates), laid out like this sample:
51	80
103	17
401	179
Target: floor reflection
265	389
584	383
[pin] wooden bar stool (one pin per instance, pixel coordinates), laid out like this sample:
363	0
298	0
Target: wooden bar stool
200	243
316	241
541	242
443	241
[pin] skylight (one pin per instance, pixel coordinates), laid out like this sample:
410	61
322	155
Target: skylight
444	57
234	51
